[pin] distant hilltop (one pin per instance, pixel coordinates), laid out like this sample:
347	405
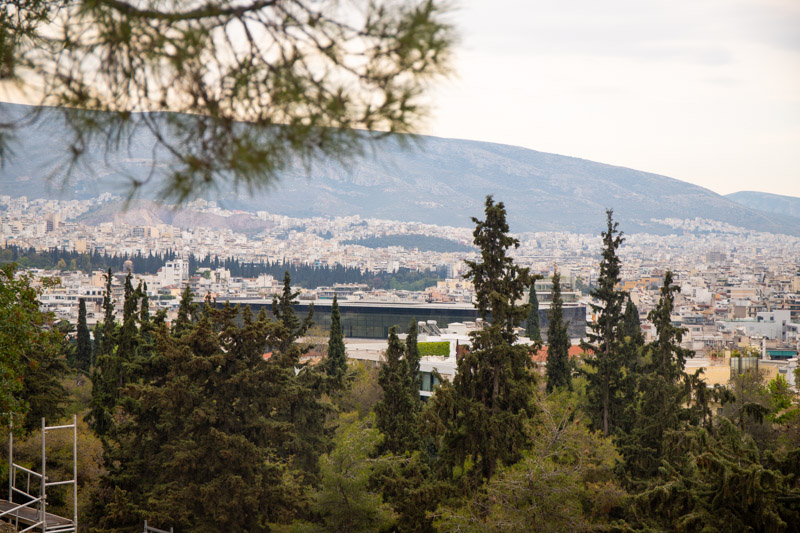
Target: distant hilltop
770	203
432	180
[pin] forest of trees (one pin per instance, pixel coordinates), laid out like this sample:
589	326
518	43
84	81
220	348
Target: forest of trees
216	422
306	276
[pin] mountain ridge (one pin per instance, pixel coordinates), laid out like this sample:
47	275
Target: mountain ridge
433	180
768	202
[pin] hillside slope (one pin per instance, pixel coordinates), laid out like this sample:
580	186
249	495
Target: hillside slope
769	203
434	180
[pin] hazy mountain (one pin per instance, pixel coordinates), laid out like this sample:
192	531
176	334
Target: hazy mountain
434	180
769	203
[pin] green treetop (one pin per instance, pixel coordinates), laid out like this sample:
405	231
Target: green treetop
631	325
201	437
493	386
186	312
664	392
108	339
32	358
301	403
283	309
532	328
412	358
83	350
559	373
397	410
336	363
606	382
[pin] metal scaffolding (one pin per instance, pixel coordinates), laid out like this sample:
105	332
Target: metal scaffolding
32	512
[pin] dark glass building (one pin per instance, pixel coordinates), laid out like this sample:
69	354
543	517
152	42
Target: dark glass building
372	320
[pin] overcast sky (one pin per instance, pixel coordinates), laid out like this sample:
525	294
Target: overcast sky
705	91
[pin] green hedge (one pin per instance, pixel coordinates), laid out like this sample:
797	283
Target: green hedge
441	349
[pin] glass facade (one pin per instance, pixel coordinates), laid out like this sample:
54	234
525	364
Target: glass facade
373	320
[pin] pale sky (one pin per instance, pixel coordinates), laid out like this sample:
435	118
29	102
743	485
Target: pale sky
705	91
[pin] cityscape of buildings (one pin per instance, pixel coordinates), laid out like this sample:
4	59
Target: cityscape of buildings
740	289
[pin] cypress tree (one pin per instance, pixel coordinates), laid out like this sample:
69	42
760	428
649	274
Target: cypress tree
492	392
412	358
145	322
559	374
396	412
186	313
300	404
532	327
336	364
631	325
664	392
605	385
128	346
83	350
196	445
97	341
108	338
106	372
283	309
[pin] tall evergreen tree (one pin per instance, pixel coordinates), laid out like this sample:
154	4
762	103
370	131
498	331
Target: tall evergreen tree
83	350
186	312
664	393
396	412
145	321
336	363
558	365
301	403
492	395
97	341
631	325
606	383
108	340
532	327
283	309
412	358
127	354
106	372
196	445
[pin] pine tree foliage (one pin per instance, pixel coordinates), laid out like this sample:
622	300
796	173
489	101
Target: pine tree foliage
607	380
631	325
714	481
196	448
301	403
32	354
407	482
396	413
346	500
336	363
493	386
664	393
83	349
186	312
532	327
108	339
283	309
412	359
559	368
564	482
107	372
307	78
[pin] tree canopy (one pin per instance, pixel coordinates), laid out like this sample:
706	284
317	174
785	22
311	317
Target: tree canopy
494	385
306	76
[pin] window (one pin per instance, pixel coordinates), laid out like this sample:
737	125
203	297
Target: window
429	381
